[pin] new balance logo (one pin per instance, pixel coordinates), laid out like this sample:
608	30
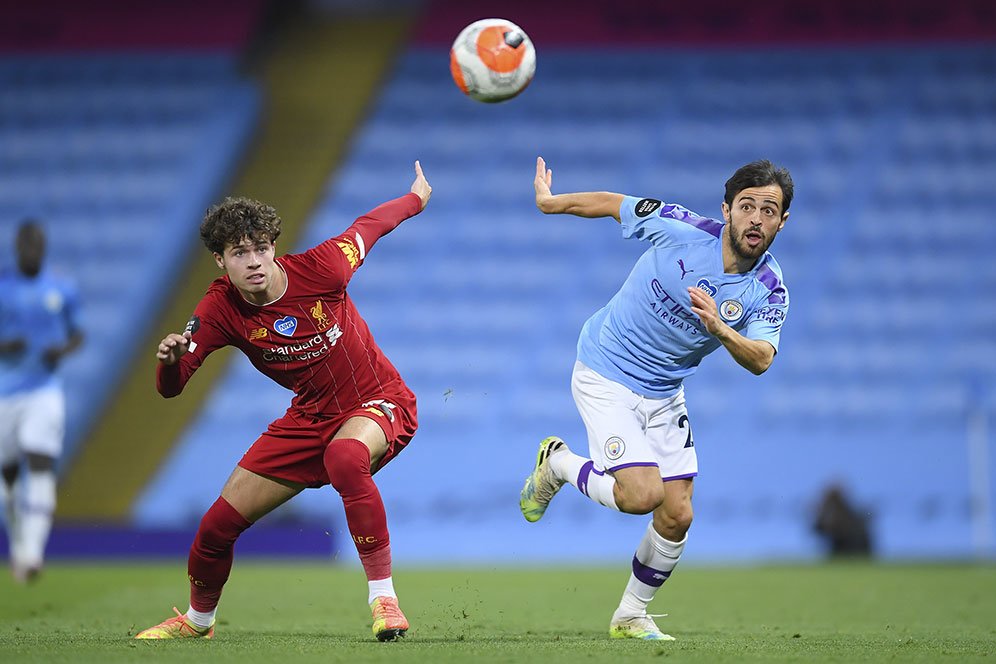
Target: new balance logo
681	264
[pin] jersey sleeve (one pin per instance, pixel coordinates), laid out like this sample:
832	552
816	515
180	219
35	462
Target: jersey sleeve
342	255
207	336
765	323
663	224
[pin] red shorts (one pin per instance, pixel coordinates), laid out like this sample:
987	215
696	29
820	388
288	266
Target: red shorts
293	446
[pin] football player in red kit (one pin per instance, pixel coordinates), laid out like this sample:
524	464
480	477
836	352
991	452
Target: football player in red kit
351	413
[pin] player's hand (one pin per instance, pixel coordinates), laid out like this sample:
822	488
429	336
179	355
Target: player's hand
421	186
51	357
173	347
542	184
705	308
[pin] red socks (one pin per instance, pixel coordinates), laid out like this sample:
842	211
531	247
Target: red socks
210	558
347	461
348	464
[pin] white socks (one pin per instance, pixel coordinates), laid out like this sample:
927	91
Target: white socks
35	516
581	473
653	563
381	588
9	496
201	620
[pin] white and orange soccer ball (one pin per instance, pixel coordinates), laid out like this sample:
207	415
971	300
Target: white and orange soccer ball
492	60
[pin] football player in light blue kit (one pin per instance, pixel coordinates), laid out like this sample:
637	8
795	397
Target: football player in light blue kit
701	284
38	326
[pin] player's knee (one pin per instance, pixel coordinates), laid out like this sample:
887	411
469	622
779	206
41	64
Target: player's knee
640	498
347	462
673	523
40	462
683	518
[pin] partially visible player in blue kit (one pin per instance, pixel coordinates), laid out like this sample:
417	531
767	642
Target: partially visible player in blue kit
702	284
39	325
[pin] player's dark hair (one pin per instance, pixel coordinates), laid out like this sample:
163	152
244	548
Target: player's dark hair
760	173
30	246
234	219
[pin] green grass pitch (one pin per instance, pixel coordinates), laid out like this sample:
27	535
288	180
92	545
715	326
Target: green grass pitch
308	612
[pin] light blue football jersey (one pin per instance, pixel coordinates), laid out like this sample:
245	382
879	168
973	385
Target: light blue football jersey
43	311
647	337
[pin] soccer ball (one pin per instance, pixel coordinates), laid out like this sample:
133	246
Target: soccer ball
492	60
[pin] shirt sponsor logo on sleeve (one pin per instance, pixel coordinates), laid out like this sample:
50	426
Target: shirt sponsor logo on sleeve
773	315
731	310
350	251
193	324
285	326
646	206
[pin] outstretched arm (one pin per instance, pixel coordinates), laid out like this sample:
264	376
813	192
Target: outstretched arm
582	204
384	218
755	355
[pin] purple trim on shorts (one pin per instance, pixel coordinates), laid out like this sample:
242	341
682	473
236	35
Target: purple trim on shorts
628	465
649	575
583	476
679	477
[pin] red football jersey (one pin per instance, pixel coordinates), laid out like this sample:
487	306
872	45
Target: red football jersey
311	339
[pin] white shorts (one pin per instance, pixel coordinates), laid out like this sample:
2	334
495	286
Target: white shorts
32	422
626	429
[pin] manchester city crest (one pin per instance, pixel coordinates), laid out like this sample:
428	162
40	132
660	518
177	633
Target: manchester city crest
614	448
731	310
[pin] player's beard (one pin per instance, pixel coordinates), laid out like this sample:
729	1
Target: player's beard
744	250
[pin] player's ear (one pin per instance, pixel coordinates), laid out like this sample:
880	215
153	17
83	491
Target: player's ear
219	260
726	212
784	219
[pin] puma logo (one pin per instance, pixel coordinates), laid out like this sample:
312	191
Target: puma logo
681	264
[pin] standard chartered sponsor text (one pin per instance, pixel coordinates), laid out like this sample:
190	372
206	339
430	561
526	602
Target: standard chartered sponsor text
293	352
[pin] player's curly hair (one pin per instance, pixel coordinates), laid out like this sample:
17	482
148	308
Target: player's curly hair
760	174
235	219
